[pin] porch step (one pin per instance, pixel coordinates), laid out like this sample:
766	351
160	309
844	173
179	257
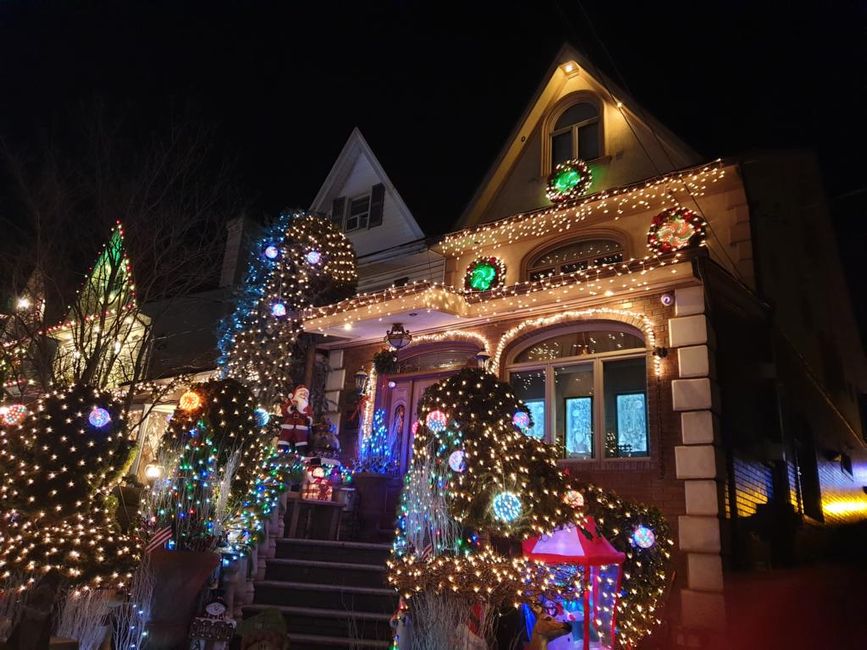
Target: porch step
334	623
314	642
334	551
347	574
305	594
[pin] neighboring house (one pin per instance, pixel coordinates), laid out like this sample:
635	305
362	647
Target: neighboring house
720	383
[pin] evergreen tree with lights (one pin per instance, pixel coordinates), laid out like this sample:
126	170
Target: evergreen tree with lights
300	262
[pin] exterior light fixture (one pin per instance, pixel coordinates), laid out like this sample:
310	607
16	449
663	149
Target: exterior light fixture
360	380
666	299
482	359
570	68
397	337
23	303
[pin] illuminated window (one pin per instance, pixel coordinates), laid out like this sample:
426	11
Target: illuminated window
576	134
574	256
586	387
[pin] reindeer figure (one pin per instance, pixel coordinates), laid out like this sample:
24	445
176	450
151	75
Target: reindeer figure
546	629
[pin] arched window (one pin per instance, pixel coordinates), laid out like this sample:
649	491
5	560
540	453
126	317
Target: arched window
574	256
586	388
576	134
437	358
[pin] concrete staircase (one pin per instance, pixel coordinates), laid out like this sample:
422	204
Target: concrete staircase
332	593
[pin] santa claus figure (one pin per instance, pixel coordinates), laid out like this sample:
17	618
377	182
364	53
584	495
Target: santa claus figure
295	421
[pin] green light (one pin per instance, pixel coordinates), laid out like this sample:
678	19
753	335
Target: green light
482	276
567	180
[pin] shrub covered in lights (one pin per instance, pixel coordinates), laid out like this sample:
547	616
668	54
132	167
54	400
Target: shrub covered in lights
477	486
224	474
57	470
301	261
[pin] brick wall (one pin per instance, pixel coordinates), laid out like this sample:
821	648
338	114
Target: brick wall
753	484
843	499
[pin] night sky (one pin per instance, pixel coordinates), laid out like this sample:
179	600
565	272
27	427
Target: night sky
436	87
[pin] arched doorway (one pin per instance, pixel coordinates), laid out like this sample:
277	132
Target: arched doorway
419	366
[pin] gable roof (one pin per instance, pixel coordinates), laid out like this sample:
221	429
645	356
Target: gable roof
535	112
356	146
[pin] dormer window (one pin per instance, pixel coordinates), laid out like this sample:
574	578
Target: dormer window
574	256
359	208
359	212
576	134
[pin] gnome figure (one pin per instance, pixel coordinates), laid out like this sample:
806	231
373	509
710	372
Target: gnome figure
295	422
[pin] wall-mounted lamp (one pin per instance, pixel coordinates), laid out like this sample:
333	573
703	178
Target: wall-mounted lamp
361	378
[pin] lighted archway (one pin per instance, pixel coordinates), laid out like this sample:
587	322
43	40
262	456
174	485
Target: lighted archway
639	321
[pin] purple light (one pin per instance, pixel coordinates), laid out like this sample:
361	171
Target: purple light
98	417
521	419
278	309
313	257
643	537
271	252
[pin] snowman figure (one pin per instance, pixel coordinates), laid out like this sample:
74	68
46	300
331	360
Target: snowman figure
295	421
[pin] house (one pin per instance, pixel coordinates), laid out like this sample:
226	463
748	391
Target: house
681	330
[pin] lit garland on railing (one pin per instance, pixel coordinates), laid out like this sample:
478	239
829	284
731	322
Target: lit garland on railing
615	202
596	281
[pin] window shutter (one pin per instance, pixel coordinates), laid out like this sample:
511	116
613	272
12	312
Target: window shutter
337	208
377	200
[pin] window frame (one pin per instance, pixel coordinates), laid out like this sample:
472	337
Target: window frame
550	120
597	360
575	128
556	269
348	213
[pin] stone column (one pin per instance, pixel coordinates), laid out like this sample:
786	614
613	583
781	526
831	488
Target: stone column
698	461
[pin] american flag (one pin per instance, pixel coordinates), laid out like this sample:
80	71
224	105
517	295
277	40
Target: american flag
159	538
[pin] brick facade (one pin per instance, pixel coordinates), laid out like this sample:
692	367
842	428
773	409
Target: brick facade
653	480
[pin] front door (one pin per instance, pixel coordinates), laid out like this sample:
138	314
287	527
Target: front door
401	406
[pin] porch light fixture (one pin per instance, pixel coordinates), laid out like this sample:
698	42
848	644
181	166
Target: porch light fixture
360	380
397	337
569	68
482	359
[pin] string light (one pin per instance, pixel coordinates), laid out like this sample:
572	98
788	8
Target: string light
98	417
190	401
13	414
436	421
657	192
506	507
